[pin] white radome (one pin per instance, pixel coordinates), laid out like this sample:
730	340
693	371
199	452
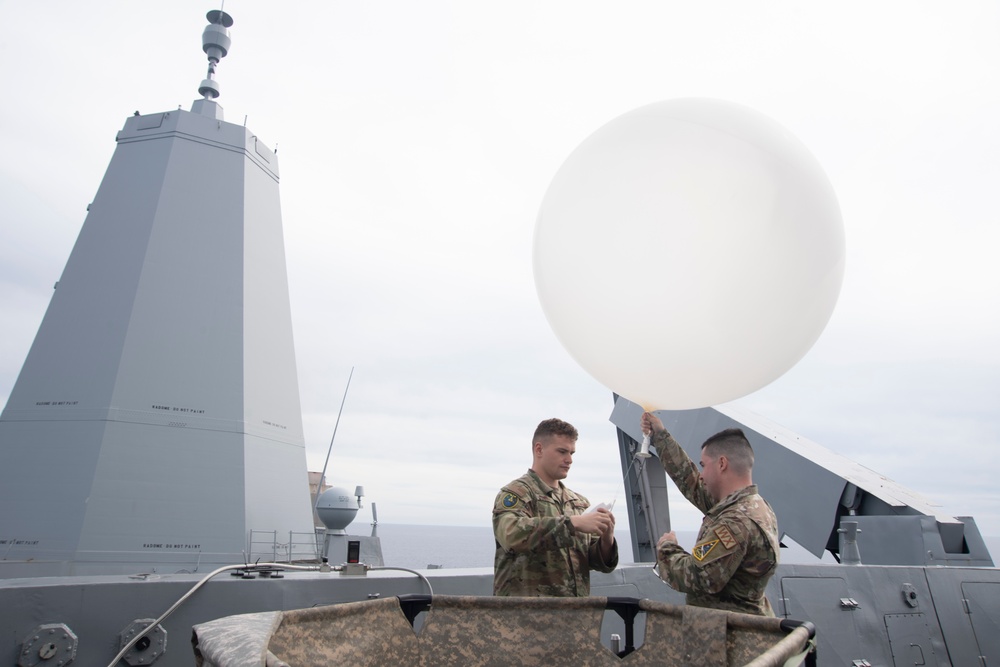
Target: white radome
336	508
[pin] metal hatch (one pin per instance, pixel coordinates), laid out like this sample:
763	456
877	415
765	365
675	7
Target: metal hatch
982	604
910	640
826	602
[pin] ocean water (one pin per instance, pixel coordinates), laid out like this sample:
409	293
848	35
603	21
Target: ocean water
420	546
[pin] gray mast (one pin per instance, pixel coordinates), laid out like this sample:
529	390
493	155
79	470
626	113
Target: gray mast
158	409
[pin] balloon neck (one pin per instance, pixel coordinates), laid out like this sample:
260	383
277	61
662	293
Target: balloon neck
643	452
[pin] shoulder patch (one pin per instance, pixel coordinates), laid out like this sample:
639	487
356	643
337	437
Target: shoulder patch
726	537
701	550
509	501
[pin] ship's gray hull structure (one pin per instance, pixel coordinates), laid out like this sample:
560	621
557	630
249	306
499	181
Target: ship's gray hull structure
885	615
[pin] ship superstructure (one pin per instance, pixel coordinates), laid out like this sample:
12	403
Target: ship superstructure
157	411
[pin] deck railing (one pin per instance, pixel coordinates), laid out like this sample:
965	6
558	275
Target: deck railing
267	545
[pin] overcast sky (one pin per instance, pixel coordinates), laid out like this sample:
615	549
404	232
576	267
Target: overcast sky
416	140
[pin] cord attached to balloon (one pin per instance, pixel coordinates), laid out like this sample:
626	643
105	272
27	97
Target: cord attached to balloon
610	506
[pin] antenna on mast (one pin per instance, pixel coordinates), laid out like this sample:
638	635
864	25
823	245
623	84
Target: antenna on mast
215	42
322	475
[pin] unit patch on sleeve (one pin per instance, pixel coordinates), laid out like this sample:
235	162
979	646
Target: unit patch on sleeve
701	550
509	501
727	539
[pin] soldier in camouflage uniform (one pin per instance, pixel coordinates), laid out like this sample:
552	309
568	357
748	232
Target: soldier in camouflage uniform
737	548
546	543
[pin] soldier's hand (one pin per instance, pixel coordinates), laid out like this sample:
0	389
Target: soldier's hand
606	512
594	523
665	539
651	423
608	536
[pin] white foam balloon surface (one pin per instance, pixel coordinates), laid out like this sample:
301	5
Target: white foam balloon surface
689	252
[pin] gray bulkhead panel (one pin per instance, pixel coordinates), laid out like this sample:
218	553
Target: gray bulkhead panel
859	612
982	601
967	602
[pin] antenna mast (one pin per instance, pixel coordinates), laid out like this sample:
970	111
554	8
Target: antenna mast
322	475
215	42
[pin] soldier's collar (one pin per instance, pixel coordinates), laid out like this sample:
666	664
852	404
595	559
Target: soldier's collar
543	487
734	496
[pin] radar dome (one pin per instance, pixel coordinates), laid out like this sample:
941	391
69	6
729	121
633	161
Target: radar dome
336	508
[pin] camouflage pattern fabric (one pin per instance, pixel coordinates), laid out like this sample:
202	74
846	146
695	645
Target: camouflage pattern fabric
504	631
737	548
699	637
360	634
539	553
234	640
466	631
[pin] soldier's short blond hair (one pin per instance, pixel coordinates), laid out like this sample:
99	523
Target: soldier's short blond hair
554	426
733	444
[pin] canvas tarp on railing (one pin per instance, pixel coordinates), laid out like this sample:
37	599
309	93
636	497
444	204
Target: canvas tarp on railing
488	631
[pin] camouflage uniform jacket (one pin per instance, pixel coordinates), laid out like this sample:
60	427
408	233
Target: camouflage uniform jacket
737	548
539	552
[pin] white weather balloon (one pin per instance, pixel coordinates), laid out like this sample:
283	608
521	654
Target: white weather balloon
688	253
